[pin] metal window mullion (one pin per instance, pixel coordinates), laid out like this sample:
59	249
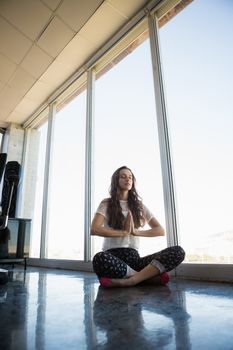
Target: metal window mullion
47	178
88	164
164	141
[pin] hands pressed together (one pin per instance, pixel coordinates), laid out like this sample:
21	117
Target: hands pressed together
129	228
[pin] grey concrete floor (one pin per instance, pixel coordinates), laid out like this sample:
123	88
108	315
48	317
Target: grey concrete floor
55	309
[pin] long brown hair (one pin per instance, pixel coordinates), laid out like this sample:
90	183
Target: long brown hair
114	211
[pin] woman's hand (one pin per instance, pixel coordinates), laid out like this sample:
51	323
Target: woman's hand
97	228
129	224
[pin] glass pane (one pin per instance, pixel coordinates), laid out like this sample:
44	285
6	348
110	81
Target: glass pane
37	215
20	231
199	78
66	209
126	134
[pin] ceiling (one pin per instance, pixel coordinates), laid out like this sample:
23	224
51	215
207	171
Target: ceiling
44	42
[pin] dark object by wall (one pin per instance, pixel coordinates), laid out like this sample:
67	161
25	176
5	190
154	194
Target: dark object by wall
12	174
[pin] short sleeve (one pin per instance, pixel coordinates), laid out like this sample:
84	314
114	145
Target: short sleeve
147	213
102	208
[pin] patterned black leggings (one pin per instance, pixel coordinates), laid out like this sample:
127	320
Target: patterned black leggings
113	262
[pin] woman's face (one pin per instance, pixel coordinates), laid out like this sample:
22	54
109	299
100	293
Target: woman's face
125	180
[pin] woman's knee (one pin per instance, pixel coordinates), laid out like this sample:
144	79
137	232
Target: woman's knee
180	252
97	262
176	252
98	258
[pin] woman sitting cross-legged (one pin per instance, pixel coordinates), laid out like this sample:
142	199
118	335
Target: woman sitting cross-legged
120	220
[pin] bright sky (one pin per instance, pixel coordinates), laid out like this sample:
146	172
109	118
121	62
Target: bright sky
199	77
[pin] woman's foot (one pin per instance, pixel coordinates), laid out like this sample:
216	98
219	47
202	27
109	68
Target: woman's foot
162	279
115	282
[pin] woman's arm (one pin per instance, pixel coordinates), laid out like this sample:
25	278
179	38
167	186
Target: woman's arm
155	230
97	228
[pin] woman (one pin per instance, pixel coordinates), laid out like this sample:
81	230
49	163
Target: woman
119	219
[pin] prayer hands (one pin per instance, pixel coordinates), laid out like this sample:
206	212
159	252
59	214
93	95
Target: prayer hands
129	224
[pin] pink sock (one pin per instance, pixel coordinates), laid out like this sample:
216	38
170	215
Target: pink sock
164	278
104	281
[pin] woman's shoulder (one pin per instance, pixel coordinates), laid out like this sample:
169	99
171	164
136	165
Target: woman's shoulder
105	201
147	213
102	208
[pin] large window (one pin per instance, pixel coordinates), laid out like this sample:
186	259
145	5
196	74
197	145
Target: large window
66	200
197	61
126	134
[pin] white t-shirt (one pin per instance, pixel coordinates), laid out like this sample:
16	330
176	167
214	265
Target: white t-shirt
121	242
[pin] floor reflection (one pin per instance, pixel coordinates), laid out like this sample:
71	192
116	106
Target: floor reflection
13	312
52	309
3	293
141	318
